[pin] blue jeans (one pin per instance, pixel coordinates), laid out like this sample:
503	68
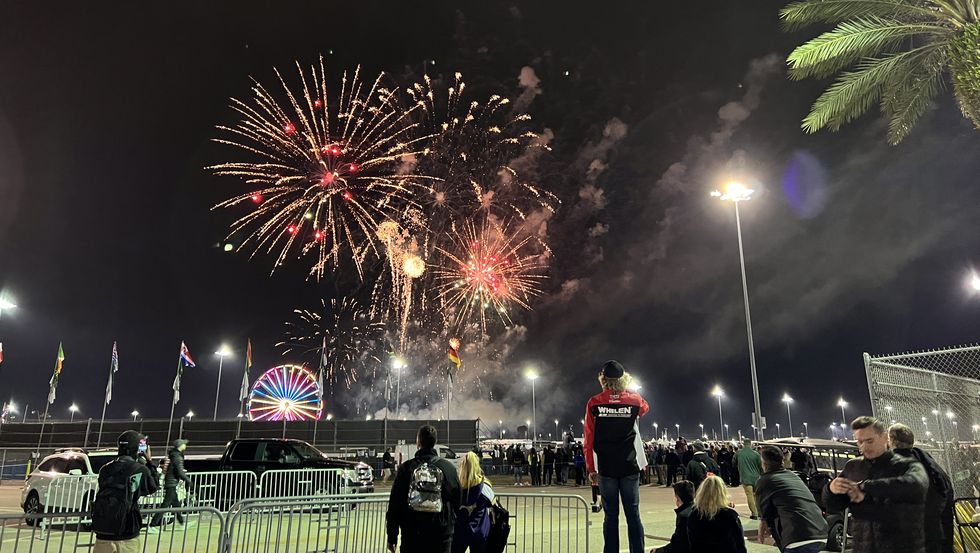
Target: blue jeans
612	489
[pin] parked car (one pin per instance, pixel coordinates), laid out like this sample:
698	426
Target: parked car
824	459
260	455
67	481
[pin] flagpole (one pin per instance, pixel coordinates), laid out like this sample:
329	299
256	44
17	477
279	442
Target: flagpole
41	435
449	393
98	442
173	404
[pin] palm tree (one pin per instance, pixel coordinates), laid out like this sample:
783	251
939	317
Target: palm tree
893	52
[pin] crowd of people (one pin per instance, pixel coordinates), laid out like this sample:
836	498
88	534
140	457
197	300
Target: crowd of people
898	496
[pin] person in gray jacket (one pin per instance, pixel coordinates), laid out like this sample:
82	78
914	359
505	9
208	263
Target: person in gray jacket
788	509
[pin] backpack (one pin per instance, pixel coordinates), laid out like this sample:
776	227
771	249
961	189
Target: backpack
425	489
112	506
499	528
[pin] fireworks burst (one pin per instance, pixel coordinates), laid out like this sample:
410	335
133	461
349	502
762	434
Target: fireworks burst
485	274
326	174
353	340
472	145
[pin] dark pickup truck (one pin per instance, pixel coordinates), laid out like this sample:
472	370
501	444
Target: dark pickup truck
260	455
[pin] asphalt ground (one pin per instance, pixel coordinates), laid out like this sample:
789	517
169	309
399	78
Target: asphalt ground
545	525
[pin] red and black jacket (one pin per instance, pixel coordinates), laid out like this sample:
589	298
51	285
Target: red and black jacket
613	446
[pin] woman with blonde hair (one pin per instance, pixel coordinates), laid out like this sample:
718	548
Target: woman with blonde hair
473	517
714	526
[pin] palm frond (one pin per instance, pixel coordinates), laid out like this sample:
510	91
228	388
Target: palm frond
853	40
959	13
808	12
855	91
909	95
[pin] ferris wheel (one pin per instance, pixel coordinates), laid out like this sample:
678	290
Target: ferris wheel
286	392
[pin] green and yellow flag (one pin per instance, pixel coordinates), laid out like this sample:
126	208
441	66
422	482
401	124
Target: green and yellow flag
57	372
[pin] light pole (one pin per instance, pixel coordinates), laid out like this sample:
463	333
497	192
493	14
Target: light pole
527	429
777	429
842	404
787	400
398	364
678	427
73	409
726	433
221	353
718	392
135	414
532	376
501	425
736	192
556	427
702	428
833	430
806	430
656	431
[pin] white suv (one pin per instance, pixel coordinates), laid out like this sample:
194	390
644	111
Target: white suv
67	481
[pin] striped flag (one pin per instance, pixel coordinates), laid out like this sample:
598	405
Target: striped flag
114	368
454	359
323	368
53	383
248	364
184	359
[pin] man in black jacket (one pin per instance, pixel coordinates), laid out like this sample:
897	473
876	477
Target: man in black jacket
684	499
700	465
787	507
885	492
172	478
672	460
130	473
939	498
423	532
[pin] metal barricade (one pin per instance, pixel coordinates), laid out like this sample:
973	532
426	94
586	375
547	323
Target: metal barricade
222	489
303	482
547	523
338	524
63	532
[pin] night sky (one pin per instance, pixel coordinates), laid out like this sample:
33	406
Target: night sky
106	233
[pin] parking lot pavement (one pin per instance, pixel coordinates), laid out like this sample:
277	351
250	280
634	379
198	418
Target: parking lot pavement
656	511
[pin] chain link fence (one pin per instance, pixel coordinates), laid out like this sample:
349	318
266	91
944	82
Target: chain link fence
936	393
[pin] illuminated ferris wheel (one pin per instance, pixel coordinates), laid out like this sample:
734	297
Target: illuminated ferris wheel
286	392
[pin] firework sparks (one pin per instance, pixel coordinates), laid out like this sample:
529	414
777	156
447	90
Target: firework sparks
485	274
352	339
325	174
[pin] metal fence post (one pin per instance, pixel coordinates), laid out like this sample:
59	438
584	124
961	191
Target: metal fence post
3	465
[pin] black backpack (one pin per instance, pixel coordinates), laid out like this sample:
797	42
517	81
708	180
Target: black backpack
112	507
499	528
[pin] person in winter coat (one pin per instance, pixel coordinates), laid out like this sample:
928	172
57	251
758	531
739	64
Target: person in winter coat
131	473
549	465
172	478
673	461
787	507
684	499
518	461
387	465
423	532
701	464
713	526
884	491
749	466
725	463
686	455
579	468
939	498
534	461
613	453
473	516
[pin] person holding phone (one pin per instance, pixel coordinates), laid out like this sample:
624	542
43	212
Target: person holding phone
885	492
116	518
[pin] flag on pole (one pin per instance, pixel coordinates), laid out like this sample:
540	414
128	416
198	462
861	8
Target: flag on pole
455	360
1	352
53	383
113	369
185	359
323	367
248	364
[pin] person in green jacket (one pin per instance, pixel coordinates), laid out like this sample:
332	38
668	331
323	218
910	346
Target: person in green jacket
749	464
